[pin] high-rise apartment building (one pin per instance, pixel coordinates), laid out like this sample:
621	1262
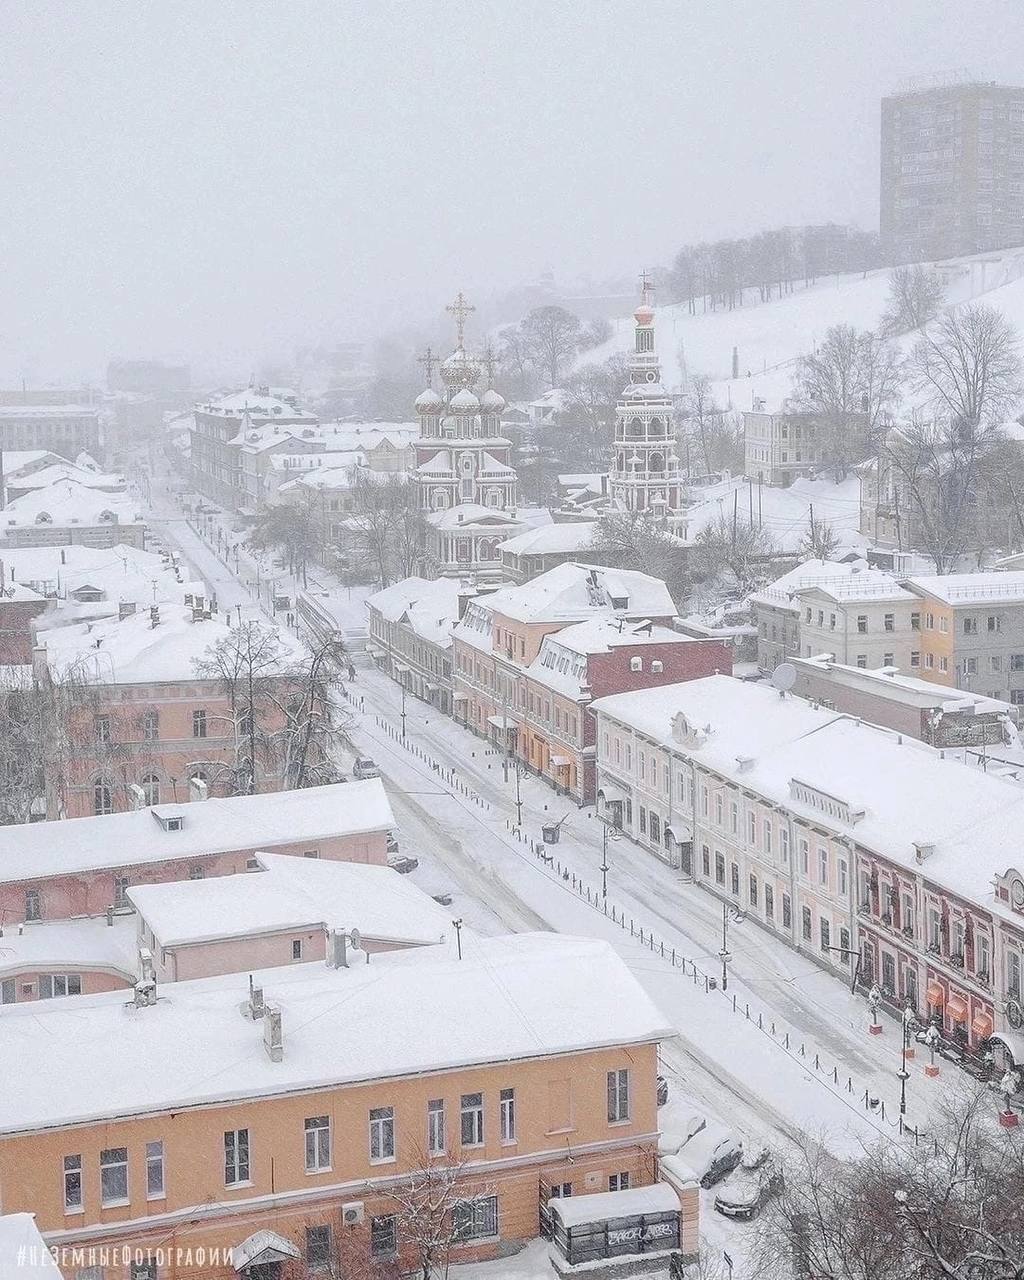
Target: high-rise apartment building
952	171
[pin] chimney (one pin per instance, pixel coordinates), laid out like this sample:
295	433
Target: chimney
745	763
337	949
110	917
137	796
63	556
922	851
273	1040
39	663
145	993
198	789
255	1007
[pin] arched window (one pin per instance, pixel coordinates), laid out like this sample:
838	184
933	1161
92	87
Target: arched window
151	726
657	462
151	788
635	427
102	800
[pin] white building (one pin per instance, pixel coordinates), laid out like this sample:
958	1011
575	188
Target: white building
864	619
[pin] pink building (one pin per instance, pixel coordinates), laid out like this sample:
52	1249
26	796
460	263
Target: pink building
85	866
289	911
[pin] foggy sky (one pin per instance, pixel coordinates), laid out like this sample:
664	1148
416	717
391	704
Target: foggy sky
215	181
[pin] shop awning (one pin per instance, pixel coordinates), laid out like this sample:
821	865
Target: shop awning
262	1248
1014	1044
956	1007
460	697
560	762
502	722
612	790
981	1024
936	995
401	667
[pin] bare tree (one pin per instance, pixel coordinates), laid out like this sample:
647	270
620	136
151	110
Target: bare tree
847	384
386	526
433	1212
967	366
916	294
820	541
292	528
552	337
630	540
948	1207
736	552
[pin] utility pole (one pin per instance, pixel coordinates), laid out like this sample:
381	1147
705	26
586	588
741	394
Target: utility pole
403	710
724	953
604	860
458	935
519	795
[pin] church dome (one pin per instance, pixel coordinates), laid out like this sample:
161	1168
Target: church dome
644	314
460	369
492	402
464	401
428	401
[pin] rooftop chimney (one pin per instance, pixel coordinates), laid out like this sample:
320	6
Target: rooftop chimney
198	789
273	1040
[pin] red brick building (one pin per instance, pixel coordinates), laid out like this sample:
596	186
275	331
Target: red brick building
19	607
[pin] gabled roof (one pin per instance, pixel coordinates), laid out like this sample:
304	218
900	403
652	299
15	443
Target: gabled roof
572	592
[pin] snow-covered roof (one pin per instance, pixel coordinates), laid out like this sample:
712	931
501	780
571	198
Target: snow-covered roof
471	515
133	651
783	513
811	573
561	663
292	893
573	592
971	588
407	1012
110	481
16	461
431	605
37	850
47	411
123	573
17	591
85	944
898	795
24	1255
260	405
890	682
862	587
69	501
552	539
578	1211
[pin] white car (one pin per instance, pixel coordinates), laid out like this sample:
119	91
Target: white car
710	1154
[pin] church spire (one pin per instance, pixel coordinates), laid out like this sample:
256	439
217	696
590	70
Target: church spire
460	309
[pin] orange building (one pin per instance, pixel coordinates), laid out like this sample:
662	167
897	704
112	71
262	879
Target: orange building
290	1127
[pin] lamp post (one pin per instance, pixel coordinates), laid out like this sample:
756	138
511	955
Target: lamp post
609	832
403	707
908	1018
931	1039
730	915
874	1000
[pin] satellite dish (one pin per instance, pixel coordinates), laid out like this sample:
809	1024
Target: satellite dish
784	677
355	939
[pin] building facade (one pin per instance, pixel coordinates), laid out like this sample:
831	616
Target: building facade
952	171
778	448
410	635
65	429
864	620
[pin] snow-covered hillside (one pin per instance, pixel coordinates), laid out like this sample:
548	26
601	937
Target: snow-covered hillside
770	336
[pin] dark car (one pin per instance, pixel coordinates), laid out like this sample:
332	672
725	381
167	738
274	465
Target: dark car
403	865
708	1156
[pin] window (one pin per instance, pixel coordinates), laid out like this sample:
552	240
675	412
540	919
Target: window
826	934
143	1271
236	1157
769	902
929	661
383	1236
382	1133
296	948
784	844
33	906
476	1219
318	1246
52	985
767	836
862	660
121	886
435	1127
734	816
995	662
844	942
753	890
150	789
806	914
154	1170
805	857
943	624
734	878
787	912
915	658
560	1191
889	622
970	626
844	878
823	866
718	809
73	1184
993	622
618	1181
199	724
887	660
507	1105
472	1120
102	727
719	868
943	663
862	624
618	1096
970	666
151	726
915	622
114	1176
318	1143
102	800
636	664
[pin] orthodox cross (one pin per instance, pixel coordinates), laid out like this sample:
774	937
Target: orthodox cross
460	309
646	285
489	360
428	360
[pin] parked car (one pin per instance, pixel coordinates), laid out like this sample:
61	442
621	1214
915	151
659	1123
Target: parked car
662	1093
745	1195
403	864
711	1153
442	899
365	768
392	842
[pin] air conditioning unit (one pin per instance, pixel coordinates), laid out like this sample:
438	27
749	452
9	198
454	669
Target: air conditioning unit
352	1213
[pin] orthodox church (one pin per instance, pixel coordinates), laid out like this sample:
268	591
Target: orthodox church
463	472
644	476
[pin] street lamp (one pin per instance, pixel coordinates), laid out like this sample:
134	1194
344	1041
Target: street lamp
908	1018
730	915
609	832
931	1039
874	1000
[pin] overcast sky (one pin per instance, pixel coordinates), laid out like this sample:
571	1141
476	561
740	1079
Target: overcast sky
216	181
